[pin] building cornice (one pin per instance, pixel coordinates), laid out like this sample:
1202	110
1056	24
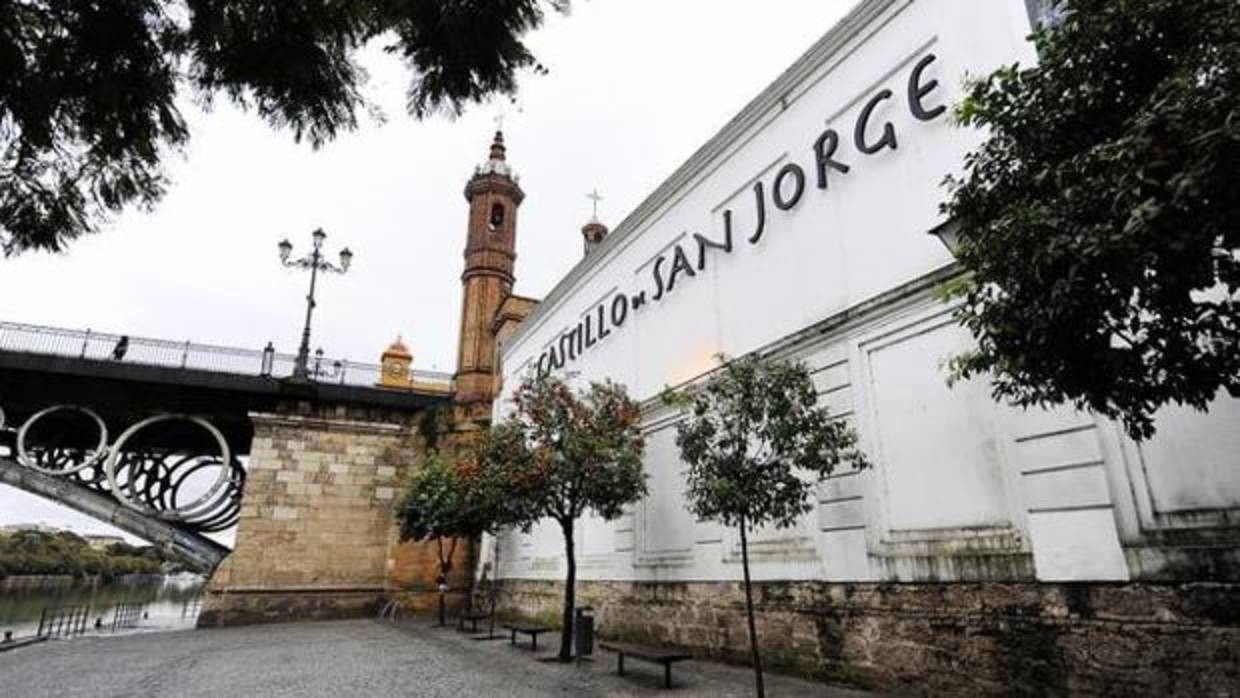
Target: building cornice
352	426
777	96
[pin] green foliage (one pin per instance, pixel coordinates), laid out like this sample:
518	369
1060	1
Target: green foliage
1100	221
62	552
454	499
752	435
429	507
447	501
568	452
88	88
436	421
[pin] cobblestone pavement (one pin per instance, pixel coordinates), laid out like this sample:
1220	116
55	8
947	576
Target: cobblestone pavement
349	658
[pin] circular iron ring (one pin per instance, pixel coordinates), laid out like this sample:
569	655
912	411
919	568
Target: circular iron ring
96	455
197	507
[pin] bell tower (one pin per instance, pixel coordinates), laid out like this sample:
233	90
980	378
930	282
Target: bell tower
490	251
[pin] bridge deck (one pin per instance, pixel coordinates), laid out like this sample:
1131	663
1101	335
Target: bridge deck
102	348
42	366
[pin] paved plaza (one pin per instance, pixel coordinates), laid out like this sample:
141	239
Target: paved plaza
350	658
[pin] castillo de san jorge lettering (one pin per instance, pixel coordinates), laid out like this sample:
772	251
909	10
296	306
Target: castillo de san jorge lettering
787	188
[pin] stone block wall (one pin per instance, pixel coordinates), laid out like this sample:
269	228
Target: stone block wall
316	518
1023	639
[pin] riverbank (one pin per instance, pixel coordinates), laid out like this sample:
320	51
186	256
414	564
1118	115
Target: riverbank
14	644
22	582
170	603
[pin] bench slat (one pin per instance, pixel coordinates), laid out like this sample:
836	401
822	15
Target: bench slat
650	654
528	629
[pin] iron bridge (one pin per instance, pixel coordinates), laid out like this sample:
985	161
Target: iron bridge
153	439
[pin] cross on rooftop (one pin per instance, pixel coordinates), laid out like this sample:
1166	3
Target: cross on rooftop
595	197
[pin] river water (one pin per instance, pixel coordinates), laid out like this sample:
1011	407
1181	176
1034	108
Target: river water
170	603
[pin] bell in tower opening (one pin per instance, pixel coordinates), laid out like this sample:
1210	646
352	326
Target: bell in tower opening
497	216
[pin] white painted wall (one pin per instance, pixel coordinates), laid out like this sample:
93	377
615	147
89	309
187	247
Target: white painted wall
963	488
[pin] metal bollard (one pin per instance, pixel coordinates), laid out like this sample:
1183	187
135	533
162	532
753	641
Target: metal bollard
583	633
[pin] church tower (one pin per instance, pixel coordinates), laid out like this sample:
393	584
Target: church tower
490	252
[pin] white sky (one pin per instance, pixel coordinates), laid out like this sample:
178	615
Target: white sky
635	87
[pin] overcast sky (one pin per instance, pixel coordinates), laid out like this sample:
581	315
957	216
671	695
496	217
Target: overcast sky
634	88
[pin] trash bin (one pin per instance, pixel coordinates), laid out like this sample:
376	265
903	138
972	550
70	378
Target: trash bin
583	632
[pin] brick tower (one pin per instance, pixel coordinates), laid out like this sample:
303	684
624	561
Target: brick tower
490	252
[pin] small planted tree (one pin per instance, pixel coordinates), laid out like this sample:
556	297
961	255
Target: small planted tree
757	443
491	488
566	452
450	501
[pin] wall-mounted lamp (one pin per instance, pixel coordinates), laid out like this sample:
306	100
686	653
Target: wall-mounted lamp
949	234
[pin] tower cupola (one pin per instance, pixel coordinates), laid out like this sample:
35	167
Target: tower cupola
594	231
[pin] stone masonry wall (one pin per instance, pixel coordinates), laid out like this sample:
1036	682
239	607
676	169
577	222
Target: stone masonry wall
316	518
1023	639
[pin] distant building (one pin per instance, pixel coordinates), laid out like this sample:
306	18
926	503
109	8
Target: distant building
103	541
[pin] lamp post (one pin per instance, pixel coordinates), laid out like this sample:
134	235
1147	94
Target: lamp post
315	262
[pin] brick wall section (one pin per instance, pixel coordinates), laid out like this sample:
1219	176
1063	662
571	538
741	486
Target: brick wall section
413	569
316	517
1024	639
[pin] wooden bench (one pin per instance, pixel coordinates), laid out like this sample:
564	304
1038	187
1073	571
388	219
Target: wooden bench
472	618
657	655
532	630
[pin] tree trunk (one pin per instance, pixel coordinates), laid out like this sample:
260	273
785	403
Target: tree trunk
493	592
753	631
445	569
566	635
471	568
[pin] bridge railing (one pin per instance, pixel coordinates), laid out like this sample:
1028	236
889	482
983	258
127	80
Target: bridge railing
102	346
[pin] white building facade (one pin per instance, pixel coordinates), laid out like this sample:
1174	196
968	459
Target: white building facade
800	231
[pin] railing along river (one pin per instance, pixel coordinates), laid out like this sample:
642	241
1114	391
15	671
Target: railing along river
100	346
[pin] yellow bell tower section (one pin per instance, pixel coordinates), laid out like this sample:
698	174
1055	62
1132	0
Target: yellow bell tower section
395	365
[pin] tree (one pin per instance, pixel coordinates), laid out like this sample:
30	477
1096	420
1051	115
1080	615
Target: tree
1099	223
752	434
65	552
434	507
567	452
452	500
88	88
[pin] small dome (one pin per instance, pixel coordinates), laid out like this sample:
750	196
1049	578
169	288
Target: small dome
398	348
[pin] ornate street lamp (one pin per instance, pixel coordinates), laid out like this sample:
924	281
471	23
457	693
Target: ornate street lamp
315	262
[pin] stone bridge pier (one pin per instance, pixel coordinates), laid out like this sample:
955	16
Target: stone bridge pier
316	537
